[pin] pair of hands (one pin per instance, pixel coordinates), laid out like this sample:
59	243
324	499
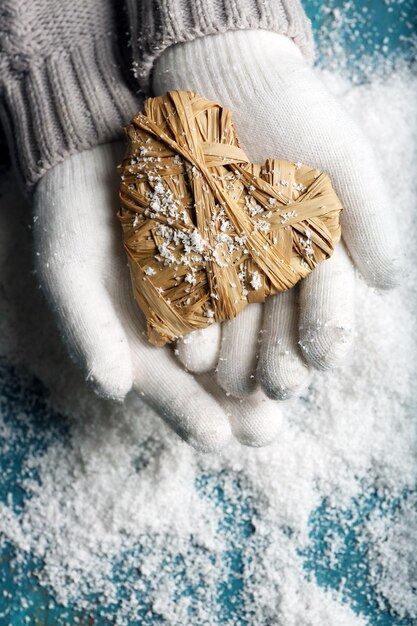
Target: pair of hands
282	110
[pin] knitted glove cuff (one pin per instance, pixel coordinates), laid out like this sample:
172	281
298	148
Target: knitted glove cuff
68	101
157	24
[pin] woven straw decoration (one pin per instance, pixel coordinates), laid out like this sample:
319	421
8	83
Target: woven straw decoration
206	231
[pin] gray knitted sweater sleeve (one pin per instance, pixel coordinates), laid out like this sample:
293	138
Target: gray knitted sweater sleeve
62	89
157	24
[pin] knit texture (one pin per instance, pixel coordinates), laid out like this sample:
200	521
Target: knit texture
157	24
281	108
61	86
83	273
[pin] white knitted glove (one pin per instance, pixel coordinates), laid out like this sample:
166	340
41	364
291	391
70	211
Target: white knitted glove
83	270
282	110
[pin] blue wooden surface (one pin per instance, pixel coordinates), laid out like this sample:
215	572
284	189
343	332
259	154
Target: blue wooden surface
24	395
371	32
372	29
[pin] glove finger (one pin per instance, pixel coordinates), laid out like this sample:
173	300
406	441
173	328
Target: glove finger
199	351
282	371
89	326
368	225
255	421
236	370
172	392
179	399
71	210
325	136
327	311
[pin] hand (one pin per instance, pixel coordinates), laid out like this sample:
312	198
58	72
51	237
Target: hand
83	270
282	110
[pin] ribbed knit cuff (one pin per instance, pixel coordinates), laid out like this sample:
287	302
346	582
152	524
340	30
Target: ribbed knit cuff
68	102
157	24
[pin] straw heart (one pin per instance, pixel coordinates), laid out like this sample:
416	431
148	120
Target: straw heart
206	231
